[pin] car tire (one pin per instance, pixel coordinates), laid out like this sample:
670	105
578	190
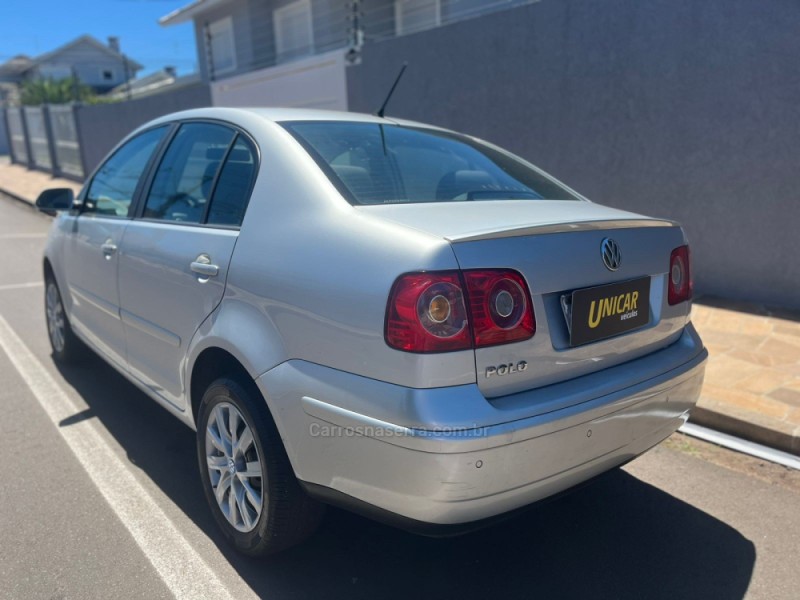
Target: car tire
287	515
67	347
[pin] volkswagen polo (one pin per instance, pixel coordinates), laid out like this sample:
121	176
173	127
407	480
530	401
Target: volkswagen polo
372	313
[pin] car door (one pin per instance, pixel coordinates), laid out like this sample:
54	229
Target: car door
175	254
90	254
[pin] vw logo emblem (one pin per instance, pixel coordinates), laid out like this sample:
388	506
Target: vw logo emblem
611	254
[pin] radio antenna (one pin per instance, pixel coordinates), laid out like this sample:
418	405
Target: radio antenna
382	109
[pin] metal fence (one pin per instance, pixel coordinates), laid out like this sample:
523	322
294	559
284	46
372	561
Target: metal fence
70	140
16	133
46	138
4	139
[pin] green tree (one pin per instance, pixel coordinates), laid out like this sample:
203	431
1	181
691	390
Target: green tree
55	91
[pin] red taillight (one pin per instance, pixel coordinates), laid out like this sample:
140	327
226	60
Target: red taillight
426	313
500	307
679	285
430	312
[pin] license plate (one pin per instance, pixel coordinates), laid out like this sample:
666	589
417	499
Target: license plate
605	311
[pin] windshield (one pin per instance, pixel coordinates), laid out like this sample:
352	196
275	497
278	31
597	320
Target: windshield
372	163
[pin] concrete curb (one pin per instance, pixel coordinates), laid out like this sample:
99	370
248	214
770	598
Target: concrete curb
751	432
18	198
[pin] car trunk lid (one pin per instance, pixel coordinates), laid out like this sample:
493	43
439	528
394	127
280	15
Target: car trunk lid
556	246
466	221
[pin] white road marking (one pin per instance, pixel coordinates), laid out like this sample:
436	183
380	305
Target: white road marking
181	568
21	236
20	286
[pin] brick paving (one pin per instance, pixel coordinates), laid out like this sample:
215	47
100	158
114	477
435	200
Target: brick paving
752	385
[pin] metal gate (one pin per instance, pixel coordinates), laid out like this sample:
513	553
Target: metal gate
16	134
37	137
65	140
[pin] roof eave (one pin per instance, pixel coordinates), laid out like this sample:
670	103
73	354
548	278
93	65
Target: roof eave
188	12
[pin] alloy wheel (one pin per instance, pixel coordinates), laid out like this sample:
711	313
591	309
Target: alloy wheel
55	317
234	467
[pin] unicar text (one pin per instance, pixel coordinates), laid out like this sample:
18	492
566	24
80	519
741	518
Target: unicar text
623	305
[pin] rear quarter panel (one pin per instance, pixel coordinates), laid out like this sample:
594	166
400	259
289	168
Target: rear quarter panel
310	277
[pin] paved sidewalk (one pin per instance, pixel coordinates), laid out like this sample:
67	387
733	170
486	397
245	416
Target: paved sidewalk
752	385
24	184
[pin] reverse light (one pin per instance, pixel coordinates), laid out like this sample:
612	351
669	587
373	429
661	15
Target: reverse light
679	285
443	311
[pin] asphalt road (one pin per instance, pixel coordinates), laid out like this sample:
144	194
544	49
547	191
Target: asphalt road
687	520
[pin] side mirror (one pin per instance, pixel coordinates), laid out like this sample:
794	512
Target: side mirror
50	201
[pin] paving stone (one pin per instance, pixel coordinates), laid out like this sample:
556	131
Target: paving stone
726	371
793	329
763	405
792	340
786	396
780	352
765	380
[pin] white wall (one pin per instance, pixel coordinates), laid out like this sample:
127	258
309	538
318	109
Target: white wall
314	82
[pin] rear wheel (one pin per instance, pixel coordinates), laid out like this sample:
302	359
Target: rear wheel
66	346
247	478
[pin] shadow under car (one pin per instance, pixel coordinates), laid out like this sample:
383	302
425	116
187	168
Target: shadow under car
616	538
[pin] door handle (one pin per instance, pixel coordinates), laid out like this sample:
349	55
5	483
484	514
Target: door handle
108	249
203	267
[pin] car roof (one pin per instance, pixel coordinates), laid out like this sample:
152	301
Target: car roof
280	114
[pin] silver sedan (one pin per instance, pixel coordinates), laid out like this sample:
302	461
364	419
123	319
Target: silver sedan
373	313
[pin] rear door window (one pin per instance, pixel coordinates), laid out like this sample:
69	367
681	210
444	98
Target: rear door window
184	181
234	183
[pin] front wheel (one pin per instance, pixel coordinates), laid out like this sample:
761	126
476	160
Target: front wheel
66	346
247	478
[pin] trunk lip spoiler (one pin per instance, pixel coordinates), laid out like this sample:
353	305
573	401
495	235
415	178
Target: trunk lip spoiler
566	227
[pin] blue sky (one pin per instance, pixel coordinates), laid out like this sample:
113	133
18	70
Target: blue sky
36	26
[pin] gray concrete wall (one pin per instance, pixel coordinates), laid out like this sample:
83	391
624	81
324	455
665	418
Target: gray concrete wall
102	126
674	108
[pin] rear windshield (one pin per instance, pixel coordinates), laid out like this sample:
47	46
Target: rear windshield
372	163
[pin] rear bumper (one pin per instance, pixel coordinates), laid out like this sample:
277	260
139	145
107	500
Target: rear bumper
453	475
